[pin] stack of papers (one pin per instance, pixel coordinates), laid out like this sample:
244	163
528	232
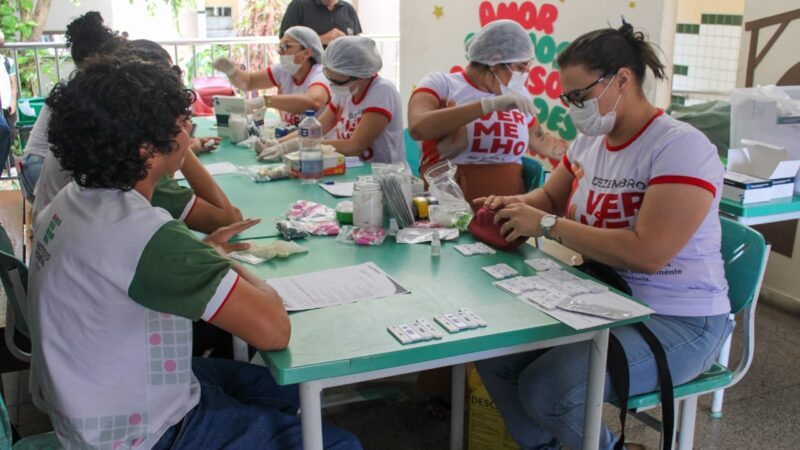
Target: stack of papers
336	287
221	168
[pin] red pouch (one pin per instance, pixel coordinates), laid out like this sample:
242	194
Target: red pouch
485	230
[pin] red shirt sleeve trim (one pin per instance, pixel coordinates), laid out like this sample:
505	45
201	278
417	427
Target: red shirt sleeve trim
427	91
272	78
227	297
678	179
532	123
567	164
616	148
333	108
194	203
323	86
381	111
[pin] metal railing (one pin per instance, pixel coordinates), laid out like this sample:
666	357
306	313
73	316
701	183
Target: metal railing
388	46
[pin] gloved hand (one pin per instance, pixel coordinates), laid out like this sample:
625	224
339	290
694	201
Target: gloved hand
277	151
225	66
263	144
252	104
507	102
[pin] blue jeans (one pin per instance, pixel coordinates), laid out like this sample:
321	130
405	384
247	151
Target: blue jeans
241	407
541	394
31	168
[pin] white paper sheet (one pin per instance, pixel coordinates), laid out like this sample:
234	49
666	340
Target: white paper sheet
220	168
339	189
335	287
584	321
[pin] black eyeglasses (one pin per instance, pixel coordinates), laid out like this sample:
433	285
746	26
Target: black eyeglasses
578	96
340	83
284	46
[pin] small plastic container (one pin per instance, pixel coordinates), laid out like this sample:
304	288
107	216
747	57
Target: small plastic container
367	204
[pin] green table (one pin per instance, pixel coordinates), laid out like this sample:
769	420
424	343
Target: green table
349	343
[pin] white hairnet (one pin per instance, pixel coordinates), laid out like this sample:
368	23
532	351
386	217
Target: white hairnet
501	41
308	38
354	56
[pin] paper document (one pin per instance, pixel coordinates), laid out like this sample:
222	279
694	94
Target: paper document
221	168
352	161
336	287
580	321
343	189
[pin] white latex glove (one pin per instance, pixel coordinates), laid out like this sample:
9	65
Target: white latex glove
263	144
507	102
225	66
252	104
277	151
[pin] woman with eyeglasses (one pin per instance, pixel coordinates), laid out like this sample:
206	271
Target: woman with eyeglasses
638	191
365	112
298	77
483	118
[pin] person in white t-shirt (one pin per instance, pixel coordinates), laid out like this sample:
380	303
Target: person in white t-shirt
298	77
483	118
365	111
637	191
115	283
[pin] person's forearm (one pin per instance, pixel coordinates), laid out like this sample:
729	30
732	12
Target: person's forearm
619	248
439	123
203	184
241	80
251	278
545	144
347	147
539	199
295	103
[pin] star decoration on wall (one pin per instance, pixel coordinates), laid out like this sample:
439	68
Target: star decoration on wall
632	5
438	11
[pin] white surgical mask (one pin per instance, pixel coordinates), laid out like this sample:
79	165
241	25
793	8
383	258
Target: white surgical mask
588	119
341	91
515	84
287	62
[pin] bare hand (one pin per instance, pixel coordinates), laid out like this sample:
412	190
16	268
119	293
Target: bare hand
496	202
328	37
520	220
204	144
12	109
219	238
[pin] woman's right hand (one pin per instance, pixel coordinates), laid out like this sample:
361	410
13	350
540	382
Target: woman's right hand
496	202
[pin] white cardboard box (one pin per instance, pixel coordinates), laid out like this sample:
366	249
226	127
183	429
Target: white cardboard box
747	189
768	162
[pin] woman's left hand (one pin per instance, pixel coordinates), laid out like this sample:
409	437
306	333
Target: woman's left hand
519	220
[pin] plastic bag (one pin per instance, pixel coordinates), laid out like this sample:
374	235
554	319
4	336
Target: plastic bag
418	235
307	211
279	249
453	209
293	229
361	236
263	173
579	306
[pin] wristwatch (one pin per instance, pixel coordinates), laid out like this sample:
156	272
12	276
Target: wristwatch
546	223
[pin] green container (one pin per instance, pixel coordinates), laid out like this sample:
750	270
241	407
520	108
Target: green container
28	110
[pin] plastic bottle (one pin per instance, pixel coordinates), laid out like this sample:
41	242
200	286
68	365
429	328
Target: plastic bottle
311	164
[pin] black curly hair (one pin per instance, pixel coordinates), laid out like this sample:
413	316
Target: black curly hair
103	116
86	35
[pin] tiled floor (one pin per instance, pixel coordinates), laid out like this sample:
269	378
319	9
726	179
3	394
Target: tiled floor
760	412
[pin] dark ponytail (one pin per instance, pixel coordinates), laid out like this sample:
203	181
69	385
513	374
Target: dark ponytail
607	50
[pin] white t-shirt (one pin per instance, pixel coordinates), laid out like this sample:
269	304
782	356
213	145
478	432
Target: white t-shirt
496	138
37	141
381	97
114	285
5	81
286	84
611	184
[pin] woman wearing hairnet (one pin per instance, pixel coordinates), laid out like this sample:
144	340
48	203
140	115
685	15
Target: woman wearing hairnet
365	109
298	77
483	118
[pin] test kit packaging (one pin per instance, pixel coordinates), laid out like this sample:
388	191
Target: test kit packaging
747	189
766	161
224	109
332	163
